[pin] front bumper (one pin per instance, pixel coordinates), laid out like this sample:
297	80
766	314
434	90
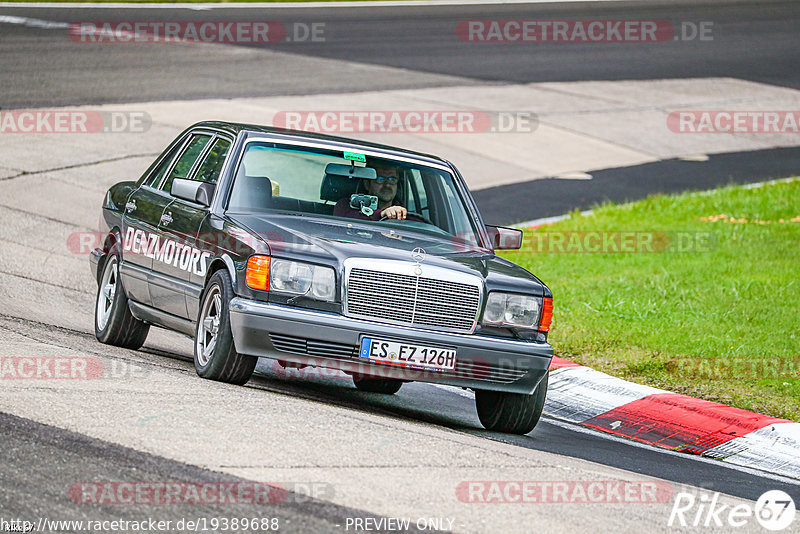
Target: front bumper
331	340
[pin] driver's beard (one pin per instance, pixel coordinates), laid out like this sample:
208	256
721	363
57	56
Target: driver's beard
386	196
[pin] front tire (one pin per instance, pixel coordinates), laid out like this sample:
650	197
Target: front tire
215	355
513	413
114	324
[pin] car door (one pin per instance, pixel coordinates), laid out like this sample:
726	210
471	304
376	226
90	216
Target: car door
140	226
166	280
182	221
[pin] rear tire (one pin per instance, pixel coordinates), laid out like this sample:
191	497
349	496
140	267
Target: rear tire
513	413
114	324
387	386
215	355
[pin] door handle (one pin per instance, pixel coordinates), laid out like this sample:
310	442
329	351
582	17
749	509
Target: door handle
166	218
130	206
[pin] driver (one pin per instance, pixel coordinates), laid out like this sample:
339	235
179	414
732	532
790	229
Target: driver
385	188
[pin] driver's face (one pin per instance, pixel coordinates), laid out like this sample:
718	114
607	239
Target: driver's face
385	191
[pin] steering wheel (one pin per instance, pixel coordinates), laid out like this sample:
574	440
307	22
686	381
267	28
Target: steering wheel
417	215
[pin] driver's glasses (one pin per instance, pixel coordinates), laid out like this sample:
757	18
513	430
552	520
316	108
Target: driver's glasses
387	179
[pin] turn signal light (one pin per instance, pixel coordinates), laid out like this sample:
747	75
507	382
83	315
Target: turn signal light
258	272
547	315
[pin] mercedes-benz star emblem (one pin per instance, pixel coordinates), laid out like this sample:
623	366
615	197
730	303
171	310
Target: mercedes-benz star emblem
418	254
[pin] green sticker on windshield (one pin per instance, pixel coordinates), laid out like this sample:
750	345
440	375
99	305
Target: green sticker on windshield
355	156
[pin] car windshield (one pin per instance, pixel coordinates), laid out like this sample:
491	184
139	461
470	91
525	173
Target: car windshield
349	185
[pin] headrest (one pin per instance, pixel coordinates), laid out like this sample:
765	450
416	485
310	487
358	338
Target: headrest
335	187
252	192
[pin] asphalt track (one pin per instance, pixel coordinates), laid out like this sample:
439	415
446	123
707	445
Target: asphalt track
553	197
751	40
755	41
36	488
73	457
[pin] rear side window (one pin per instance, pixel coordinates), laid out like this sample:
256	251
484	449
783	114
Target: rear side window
185	163
158	174
212	165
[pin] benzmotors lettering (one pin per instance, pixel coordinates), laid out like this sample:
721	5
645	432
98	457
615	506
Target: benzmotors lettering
166	251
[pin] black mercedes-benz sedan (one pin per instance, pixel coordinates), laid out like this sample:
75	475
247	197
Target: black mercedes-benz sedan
315	250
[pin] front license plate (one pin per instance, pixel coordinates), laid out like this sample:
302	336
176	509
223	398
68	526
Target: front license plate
406	355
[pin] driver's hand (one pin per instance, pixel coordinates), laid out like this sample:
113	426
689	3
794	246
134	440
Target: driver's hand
394	212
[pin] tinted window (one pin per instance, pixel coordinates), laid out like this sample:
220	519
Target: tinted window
187	159
155	177
210	168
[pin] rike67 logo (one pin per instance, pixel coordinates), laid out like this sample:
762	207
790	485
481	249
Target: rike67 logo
774	510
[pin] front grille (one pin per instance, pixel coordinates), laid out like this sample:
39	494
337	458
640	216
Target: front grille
465	368
412	300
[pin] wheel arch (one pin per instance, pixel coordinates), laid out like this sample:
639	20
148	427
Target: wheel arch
112	240
222	262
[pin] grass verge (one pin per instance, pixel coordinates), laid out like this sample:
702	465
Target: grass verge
705	299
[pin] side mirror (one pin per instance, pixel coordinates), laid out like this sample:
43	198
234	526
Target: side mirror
193	191
205	193
503	238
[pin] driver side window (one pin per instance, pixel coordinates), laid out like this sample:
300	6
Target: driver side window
417	196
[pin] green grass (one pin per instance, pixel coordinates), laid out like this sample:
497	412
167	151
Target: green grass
720	323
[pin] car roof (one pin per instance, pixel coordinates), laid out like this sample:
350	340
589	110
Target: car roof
235	128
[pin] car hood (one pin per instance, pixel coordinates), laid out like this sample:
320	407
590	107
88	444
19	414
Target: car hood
331	241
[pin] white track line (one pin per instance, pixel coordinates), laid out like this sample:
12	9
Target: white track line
33	23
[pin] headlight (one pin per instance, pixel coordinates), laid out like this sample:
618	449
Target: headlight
506	309
302	279
323	285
